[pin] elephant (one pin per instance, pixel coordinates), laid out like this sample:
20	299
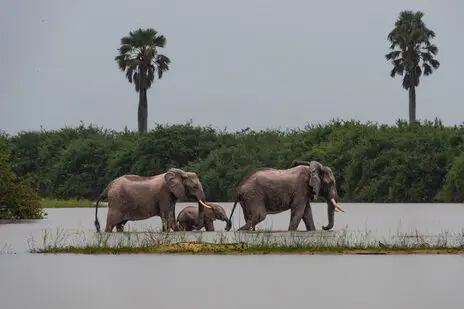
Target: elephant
134	197
271	191
186	218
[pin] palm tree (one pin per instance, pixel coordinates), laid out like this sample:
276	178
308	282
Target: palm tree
410	43
139	58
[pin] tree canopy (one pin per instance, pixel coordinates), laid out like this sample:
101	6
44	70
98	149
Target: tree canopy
412	53
372	163
139	57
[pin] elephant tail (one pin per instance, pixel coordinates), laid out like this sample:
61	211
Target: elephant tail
229	223
103	195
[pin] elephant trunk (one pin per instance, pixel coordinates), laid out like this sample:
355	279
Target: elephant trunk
332	204
330	216
228	224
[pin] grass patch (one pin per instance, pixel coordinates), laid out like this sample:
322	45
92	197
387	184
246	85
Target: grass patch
71	203
243	248
261	242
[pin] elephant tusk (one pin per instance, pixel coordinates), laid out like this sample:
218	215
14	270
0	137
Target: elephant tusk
203	203
336	205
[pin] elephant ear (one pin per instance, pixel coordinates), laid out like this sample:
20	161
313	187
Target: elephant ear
314	179
174	180
327	175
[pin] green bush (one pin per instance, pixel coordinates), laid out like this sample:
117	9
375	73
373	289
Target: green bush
373	163
453	189
18	197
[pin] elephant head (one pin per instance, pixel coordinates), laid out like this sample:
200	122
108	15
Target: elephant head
323	183
184	185
218	213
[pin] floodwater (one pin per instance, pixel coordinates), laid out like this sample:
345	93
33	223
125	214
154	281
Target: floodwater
262	281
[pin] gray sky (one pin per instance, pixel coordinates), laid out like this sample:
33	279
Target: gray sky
235	64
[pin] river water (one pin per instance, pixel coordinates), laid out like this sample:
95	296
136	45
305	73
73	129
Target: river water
262	281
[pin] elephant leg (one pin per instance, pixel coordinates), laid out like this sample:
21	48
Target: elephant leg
308	218
172	219
164	222
181	226
245	215
111	218
168	221
209	226
185	226
296	214
120	226
109	227
257	214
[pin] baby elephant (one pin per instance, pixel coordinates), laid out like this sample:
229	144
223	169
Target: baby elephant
187	216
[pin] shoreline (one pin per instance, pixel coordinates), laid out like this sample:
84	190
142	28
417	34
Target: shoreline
264	252
199	248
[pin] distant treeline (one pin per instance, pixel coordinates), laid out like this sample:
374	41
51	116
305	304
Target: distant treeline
419	162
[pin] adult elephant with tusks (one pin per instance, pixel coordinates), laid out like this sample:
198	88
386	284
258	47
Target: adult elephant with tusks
271	191
133	197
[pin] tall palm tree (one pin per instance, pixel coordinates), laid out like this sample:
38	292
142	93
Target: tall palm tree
412	53
139	58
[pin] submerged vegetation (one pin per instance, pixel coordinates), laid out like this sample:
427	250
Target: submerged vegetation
262	242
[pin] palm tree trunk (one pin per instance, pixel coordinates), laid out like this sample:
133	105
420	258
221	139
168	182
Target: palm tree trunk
412	104
142	115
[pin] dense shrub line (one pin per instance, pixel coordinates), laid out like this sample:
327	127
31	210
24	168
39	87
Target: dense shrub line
18	197
419	162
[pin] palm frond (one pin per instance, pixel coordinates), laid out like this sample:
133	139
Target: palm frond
434	63
128	40
136	81
159	41
432	49
162	64
427	69
393	55
406	81
132	67
138	51
417	75
150	75
409	44
398	68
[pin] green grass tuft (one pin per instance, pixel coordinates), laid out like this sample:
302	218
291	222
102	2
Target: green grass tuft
262	242
70	203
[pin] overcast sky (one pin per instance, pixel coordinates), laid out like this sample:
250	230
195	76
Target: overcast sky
235	64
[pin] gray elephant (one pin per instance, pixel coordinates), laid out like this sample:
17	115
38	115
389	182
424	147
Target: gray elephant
133	197
271	191
186	218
